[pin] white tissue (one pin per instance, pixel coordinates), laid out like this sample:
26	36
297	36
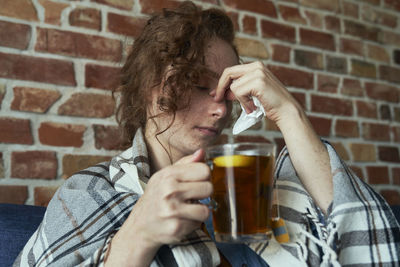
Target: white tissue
245	120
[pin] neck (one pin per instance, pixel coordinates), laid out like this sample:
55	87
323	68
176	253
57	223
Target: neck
158	153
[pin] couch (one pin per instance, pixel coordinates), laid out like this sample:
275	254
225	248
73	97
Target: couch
18	222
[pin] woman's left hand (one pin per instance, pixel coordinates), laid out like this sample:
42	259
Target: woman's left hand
241	82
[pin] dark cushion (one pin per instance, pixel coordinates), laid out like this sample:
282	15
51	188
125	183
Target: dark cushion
17	224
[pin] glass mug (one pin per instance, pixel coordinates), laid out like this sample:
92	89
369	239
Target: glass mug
242	176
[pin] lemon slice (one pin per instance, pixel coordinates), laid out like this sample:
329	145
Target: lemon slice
234	161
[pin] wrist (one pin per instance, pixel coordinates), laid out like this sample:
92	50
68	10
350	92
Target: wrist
131	249
291	117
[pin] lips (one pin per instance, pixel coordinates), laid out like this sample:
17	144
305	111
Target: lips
209	131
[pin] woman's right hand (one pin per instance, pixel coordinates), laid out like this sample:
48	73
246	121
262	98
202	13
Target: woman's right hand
165	213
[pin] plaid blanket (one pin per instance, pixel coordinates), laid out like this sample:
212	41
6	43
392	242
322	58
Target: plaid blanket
86	212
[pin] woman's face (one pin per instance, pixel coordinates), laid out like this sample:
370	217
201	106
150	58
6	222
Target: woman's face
202	122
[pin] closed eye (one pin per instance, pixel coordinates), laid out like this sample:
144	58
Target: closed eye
202	88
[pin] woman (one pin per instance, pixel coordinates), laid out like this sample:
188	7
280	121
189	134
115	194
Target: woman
176	97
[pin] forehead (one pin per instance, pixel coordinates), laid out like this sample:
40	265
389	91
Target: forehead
219	55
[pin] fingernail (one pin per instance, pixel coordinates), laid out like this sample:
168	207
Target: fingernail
195	154
212	93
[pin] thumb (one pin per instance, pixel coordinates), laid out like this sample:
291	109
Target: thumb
197	156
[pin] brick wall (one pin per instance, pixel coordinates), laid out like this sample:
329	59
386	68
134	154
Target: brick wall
59	61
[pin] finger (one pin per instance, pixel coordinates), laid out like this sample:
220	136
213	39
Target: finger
232	73
190	172
195	190
196	212
197	156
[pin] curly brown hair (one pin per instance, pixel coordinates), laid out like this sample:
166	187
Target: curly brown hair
173	39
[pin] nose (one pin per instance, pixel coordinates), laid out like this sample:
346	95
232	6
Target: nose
221	108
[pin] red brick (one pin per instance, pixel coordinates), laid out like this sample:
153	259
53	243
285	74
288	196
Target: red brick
396	111
350	9
330	105
396	175
378	174
52	11
293	77
103	77
15	131
1	165
278	31
121	4
350	46
392	4
327	83
389	153
14	35
33	99
317	39
375	16
251	48
384	111
382	92
396	134
314	19
363	69
88	105
125	25
352	87
34	164
336	64
330	5
363	152
322	126
74	163
332	24
37	69
391	38
392	197
280	53
14	9
376	132
362	31
249	24
85	17
367	109
59	134
43	195
309	59
378	53
292	14
389	73
78	45
14	194
346	128
264	7
107	137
